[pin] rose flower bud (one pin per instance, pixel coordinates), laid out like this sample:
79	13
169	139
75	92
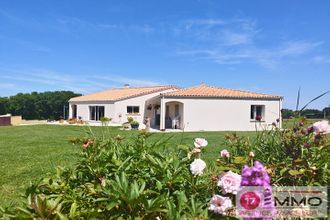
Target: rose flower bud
196	151
224	154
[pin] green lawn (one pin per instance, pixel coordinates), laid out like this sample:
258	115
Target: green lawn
30	152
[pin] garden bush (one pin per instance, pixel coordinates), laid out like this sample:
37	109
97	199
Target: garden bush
141	179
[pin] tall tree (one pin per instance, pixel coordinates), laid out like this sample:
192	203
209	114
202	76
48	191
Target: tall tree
46	105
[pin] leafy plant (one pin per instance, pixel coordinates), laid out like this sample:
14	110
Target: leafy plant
137	179
142	179
130	119
135	123
293	157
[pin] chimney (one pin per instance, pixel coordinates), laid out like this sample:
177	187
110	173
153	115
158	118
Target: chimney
126	86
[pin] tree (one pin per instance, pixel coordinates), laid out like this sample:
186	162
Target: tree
3	106
46	105
326	112
312	113
287	113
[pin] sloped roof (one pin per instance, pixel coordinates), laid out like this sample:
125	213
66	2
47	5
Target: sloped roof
116	94
217	92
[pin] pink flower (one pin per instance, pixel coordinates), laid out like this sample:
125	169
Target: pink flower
200	142
321	127
197	167
219	204
224	154
87	144
230	182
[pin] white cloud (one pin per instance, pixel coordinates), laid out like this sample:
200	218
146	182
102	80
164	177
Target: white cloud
296	48
237	40
233	38
321	59
203	22
63	81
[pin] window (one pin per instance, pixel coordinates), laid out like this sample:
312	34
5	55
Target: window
257	112
177	108
133	109
74	111
167	112
96	113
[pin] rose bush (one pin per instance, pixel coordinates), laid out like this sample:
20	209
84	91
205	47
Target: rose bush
140	179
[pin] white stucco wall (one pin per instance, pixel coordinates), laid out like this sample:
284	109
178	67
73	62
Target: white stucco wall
224	114
114	109
83	109
121	107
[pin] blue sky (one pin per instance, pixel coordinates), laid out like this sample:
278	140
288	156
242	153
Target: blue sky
85	46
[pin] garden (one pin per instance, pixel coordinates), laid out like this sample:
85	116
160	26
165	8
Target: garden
138	175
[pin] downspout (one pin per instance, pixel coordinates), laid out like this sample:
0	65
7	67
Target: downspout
280	112
162	113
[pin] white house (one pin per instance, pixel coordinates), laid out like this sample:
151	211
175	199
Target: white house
191	109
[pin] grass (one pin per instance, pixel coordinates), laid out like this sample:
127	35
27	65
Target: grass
30	152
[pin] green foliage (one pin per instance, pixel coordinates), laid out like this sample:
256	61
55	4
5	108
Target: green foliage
140	179
105	120
46	105
135	123
308	113
130	119
293	157
287	113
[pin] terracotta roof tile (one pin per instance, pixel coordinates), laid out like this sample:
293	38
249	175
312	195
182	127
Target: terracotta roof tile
210	91
116	94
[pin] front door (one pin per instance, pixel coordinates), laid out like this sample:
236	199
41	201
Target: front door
157	117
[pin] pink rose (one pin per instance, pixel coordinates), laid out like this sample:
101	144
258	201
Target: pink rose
321	127
230	182
219	204
197	167
224	154
200	142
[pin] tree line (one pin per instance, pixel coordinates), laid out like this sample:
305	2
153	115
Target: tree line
308	113
44	105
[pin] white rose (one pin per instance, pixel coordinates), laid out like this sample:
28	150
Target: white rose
200	142
197	167
220	204
230	182
321	126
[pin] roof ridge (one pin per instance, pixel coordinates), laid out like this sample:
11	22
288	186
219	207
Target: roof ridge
126	92
238	90
217	89
220	87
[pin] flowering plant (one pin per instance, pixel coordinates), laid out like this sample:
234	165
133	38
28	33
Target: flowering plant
143	179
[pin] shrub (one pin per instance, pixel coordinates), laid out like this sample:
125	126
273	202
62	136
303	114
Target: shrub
137	179
130	119
105	120
135	123
293	157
